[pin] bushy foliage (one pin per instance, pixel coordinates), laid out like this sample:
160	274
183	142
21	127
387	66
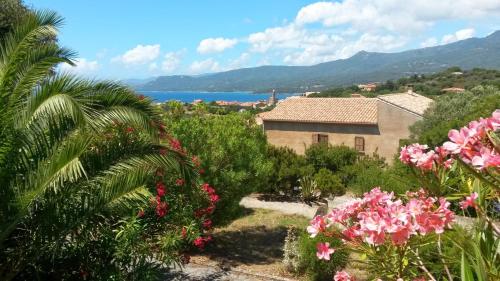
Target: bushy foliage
370	171
329	183
233	153
11	12
453	111
299	256
324	155
287	169
314	268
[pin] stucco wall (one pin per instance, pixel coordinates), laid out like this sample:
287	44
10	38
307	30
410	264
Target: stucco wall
384	138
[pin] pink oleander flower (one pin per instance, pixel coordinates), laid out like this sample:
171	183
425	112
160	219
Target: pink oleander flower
411	153
199	242
324	251
208	189
494	121
214	198
343	276
318	225
160	189
378	218
161	209
485	158
470	201
458	140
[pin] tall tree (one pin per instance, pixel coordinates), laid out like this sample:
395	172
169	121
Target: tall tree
56	173
11	12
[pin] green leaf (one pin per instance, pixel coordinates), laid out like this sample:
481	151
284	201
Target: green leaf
465	270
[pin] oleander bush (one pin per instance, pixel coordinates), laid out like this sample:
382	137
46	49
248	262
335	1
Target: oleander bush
413	237
232	149
314	268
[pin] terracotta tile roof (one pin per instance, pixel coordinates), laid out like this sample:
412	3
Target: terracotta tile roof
410	101
324	110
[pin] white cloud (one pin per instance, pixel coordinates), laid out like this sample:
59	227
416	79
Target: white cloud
204	66
287	36
141	54
171	61
394	16
153	66
459	35
215	45
429	42
239	62
339	48
82	66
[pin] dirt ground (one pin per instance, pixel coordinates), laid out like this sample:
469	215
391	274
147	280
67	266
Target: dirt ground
253	243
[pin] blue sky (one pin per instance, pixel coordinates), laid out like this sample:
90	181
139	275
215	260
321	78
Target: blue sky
120	39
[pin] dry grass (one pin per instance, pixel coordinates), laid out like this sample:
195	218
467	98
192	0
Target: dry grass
253	243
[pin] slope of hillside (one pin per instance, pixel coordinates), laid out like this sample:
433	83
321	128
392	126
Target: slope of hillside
362	67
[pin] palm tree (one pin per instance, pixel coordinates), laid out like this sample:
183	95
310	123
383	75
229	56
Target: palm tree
56	173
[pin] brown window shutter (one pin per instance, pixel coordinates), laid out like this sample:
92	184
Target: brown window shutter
359	143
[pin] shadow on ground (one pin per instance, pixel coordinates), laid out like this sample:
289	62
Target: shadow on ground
249	246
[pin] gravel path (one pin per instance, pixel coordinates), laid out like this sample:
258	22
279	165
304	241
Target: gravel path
197	272
294	208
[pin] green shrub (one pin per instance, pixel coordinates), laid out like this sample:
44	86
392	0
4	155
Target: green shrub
287	169
232	150
453	111
371	171
330	157
329	183
315	269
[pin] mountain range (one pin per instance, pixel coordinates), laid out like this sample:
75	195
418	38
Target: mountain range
361	68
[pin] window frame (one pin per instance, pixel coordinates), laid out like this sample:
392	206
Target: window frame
358	145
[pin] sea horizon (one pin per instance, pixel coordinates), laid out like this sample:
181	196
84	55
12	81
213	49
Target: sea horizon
190	96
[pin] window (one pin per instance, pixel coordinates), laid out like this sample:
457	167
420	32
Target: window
319	138
359	144
323	138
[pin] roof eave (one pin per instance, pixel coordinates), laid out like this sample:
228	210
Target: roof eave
322	122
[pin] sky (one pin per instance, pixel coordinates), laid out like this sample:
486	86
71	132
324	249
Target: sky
123	39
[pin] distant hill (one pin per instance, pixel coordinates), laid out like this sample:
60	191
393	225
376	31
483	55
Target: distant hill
137	82
428	85
360	68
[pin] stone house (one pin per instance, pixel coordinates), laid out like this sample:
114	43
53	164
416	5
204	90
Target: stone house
367	124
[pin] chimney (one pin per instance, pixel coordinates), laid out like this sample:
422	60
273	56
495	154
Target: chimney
356	95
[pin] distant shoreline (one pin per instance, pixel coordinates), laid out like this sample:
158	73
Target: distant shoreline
190	96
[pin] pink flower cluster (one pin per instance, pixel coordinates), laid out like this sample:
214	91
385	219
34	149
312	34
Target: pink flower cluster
378	218
324	251
472	144
420	156
470	201
343	276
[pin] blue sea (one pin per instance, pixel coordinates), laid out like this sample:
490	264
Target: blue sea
189	97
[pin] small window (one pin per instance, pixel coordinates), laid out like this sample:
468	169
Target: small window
323	138
319	138
359	144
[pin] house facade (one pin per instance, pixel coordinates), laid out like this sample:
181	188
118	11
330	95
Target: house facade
366	124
